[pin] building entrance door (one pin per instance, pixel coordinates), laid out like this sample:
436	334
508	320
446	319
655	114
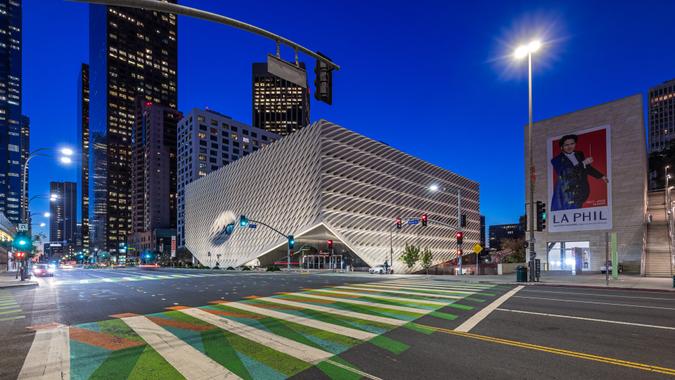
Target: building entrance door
573	256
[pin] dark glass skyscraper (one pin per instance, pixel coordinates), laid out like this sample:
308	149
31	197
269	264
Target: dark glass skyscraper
133	55
11	122
83	167
279	106
63	213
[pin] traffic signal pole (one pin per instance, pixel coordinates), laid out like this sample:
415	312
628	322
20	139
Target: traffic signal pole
290	239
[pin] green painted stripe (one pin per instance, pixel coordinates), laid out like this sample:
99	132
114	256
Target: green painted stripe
442	315
460	306
474	299
12	318
389	344
419	328
11	311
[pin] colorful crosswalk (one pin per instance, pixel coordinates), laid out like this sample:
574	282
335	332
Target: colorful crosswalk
9	308
270	337
133	277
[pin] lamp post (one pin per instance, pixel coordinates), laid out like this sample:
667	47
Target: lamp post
434	188
669	220
520	53
65	158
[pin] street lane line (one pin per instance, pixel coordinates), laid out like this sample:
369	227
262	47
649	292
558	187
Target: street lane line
187	360
397	299
337	329
417	289
330	310
597	303
49	355
364	303
557	351
289	347
478	317
401	292
587	319
600	295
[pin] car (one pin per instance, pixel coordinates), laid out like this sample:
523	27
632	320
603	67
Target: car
603	268
380	269
41	270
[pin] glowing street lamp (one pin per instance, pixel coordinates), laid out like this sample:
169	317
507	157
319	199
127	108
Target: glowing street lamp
520	53
46	214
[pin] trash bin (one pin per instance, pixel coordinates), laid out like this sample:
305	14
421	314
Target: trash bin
673	281
521	273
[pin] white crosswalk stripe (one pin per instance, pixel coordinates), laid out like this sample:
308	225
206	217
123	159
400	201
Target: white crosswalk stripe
437	286
366	303
337	329
184	358
377	296
49	355
330	310
393	291
279	343
410	287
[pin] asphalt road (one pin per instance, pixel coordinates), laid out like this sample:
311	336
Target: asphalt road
456	330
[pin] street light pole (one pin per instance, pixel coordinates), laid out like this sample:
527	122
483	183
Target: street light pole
66	154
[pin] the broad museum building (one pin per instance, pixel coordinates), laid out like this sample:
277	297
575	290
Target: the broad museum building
339	194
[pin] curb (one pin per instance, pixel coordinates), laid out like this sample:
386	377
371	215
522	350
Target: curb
16	285
560	285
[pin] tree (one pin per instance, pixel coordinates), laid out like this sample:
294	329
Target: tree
517	246
426	257
410	256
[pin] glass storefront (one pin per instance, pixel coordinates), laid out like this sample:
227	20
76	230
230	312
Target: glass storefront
574	256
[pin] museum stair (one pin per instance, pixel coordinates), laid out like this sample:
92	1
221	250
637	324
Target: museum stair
657	256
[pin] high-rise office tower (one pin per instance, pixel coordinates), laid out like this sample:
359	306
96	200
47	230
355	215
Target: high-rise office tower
279	106
207	141
661	115
133	55
25	152
153	177
63	213
83	164
10	110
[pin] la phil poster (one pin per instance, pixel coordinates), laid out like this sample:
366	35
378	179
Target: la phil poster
579	181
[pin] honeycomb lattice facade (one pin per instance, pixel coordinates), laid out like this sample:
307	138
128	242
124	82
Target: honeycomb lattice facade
325	177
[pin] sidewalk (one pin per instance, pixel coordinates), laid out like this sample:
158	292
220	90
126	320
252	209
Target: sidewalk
9	280
624	281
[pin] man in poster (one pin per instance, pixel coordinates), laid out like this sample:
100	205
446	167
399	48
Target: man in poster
572	169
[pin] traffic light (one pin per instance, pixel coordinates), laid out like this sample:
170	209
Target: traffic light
462	220
20	255
460	237
425	220
291	241
399	223
323	81
330	245
22	242
243	221
541	216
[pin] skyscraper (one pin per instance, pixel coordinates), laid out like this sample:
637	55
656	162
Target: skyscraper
83	164
133	55
63	213
207	141
661	115
10	110
279	106
153	177
25	152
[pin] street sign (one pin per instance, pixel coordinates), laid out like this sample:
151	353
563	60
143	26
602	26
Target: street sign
251	225
413	221
477	248
22	227
287	71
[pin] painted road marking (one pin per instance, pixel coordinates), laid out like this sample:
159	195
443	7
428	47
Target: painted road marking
598	303
49	355
587	319
478	317
364	303
330	310
558	351
298	350
439	288
419	290
337	329
362	288
601	295
389	298
440	284
187	360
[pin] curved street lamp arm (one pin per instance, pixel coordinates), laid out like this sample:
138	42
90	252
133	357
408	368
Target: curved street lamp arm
270	227
204	15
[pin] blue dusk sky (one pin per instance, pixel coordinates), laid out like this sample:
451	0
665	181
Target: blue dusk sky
434	79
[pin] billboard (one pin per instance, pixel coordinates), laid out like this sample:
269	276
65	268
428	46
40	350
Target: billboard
579	181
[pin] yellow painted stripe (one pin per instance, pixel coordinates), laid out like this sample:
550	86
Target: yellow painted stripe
559	351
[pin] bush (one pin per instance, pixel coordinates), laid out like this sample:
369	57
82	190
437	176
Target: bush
230	268
245	268
273	268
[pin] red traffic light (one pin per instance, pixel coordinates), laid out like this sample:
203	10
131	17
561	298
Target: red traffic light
425	219
330	244
399	223
460	237
20	255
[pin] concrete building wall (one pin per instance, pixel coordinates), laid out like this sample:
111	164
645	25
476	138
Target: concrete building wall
628	183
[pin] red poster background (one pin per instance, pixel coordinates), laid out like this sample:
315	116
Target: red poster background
591	144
